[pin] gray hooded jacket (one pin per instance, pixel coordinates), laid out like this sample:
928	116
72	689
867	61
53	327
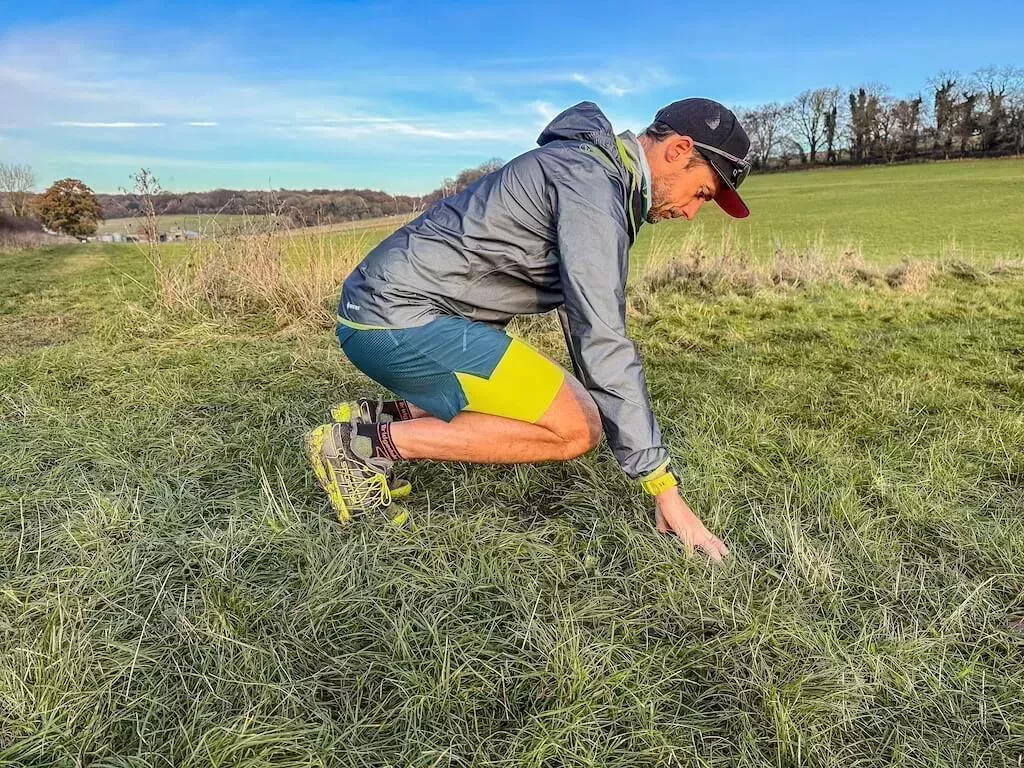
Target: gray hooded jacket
551	228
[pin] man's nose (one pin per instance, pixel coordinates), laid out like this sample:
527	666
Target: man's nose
691	208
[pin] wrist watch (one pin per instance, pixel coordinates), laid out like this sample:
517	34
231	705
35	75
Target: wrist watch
656	485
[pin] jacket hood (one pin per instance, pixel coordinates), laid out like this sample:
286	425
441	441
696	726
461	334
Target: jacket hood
586	123
583	122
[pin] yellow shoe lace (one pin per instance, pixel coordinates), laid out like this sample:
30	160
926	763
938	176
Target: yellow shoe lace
371	491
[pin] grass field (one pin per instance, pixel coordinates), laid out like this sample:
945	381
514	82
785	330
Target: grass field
911	211
974	209
968	209
225	223
207	224
173	592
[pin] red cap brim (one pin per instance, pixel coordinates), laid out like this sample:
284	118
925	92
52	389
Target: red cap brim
728	200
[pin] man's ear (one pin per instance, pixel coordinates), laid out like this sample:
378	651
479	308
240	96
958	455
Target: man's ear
679	148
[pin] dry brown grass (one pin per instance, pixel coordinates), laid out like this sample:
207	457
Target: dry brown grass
721	268
293	277
20	241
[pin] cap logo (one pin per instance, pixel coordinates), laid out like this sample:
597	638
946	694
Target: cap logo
714	122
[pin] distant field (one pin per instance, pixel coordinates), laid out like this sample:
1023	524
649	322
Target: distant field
917	211
229	223
969	209
207	224
913	211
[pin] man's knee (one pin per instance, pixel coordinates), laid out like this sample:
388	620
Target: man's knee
583	431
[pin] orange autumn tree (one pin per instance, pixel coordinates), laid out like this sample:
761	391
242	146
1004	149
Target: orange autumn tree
71	207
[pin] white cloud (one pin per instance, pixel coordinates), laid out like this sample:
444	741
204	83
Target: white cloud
360	119
355	130
172	162
545	110
98	74
76	124
616	85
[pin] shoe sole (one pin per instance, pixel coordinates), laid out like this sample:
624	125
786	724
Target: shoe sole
328	479
325	473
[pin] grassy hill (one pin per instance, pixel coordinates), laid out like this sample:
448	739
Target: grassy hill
971	208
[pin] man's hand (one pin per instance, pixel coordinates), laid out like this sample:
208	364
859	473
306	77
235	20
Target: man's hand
673	515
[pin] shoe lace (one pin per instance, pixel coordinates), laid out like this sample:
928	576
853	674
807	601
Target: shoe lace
372	488
372	491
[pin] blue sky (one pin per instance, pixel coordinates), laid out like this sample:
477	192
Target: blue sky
398	95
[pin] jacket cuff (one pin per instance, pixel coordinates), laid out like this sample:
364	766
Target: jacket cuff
654	474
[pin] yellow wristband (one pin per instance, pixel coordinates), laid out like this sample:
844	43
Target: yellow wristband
656	485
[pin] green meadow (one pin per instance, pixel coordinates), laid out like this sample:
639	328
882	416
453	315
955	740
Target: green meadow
175	593
971	208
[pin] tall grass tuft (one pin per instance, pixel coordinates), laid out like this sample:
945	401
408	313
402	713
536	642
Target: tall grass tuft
695	266
294	276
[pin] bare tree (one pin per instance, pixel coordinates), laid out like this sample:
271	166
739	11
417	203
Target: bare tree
865	122
788	149
1014	105
766	125
16	183
145	189
833	133
809	113
886	131
967	119
944	85
906	114
999	87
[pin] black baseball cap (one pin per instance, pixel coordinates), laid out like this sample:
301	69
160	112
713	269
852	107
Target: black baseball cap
721	141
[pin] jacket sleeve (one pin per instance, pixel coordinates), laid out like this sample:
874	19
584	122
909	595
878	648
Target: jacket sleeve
593	246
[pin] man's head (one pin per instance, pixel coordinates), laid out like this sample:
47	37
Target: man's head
696	149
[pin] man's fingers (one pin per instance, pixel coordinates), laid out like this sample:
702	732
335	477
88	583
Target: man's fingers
707	543
710	546
659	522
714	548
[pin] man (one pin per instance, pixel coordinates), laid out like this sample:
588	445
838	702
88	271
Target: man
424	313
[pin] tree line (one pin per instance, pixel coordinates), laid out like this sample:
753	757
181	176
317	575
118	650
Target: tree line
976	115
71	207
302	207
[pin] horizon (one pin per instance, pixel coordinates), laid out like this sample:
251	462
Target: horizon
373	95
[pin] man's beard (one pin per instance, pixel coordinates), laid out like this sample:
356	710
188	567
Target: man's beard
653	213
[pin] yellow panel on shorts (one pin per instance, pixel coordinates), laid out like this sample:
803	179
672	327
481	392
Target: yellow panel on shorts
522	386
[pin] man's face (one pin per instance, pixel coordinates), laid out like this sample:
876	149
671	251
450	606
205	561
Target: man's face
681	181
